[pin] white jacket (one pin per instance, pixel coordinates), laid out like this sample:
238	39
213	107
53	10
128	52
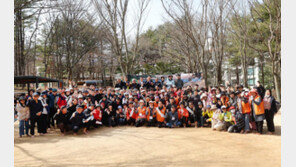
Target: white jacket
22	112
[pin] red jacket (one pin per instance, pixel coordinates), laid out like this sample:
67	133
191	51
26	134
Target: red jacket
62	101
97	114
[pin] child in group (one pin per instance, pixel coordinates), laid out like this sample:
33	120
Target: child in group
151	114
172	118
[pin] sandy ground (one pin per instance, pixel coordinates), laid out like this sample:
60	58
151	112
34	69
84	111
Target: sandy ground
130	146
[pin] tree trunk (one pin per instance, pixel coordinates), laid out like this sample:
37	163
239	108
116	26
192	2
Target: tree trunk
219	74
277	81
237	75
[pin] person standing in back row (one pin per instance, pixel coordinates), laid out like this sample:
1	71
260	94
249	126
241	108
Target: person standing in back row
179	82
270	110
23	116
36	109
257	105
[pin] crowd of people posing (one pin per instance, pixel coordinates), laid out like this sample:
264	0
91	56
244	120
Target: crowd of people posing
153	103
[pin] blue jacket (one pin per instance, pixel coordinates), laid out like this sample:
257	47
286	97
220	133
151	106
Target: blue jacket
51	98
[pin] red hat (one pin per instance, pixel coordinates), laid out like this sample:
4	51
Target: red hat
231	108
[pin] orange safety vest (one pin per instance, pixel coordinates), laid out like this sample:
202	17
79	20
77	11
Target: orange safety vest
183	112
177	101
148	112
134	115
246	107
225	101
155	104
160	117
259	109
141	112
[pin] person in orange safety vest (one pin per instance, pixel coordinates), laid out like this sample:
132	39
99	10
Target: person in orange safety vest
141	114
160	114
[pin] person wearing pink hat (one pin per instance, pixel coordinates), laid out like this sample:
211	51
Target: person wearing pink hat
257	110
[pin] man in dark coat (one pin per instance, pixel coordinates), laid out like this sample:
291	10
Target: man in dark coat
179	82
77	119
36	109
260	89
62	117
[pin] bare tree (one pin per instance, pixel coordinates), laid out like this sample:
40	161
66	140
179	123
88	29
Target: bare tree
196	28
218	25
114	14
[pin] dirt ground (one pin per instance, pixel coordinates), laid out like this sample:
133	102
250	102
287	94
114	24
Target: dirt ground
130	146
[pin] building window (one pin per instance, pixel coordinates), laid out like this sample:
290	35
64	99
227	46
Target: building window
250	81
250	71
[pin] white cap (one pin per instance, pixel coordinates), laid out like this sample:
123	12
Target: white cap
80	96
203	95
162	91
223	107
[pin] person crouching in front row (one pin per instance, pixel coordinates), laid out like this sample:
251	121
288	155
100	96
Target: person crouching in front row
77	119
160	114
183	115
141	114
89	118
131	114
172	120
151	114
62	117
97	113
110	116
120	116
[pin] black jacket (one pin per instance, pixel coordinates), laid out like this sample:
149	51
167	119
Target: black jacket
87	112
72	109
172	117
34	107
77	120
179	83
62	118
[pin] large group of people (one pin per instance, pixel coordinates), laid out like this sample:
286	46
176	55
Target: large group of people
162	103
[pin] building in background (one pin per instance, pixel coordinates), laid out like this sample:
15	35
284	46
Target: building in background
230	74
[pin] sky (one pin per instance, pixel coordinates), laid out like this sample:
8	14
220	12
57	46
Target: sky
155	14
